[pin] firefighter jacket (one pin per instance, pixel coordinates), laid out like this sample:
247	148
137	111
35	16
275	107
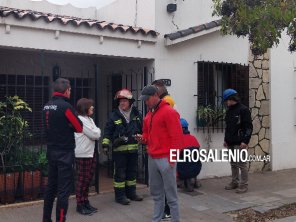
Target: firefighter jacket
238	125
61	122
121	134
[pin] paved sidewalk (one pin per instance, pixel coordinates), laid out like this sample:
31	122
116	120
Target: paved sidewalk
266	191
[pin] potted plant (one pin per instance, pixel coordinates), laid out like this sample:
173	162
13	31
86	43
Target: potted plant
43	163
207	117
13	129
31	176
8	184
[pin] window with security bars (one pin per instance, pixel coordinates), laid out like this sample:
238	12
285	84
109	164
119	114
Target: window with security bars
214	78
80	88
33	90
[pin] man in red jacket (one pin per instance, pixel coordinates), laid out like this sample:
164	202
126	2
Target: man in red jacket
162	131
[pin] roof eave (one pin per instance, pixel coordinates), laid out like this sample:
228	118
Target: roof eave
23	15
82	30
169	42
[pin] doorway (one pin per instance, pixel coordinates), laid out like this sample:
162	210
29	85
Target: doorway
134	80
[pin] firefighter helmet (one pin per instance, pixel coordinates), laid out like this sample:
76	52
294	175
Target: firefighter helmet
123	94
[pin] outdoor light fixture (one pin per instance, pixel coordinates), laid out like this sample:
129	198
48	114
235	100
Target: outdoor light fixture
171	7
56	72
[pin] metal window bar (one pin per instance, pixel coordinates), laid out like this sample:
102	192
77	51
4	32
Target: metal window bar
21	85
33	89
213	79
135	80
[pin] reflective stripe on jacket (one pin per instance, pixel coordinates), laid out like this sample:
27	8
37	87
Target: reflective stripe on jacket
117	127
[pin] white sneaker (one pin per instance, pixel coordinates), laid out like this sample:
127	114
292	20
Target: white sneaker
166	217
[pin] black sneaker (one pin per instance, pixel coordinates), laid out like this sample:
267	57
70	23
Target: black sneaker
90	207
83	210
166	217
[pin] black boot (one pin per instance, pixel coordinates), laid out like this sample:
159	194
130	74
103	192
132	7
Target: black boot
131	193
120	196
123	201
90	207
136	198
83	210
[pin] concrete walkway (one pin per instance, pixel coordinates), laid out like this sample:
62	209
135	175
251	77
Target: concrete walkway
210	203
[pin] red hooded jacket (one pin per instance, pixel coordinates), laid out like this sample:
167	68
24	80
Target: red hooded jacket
190	141
162	131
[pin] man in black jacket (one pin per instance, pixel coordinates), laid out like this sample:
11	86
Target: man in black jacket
237	136
60	123
119	133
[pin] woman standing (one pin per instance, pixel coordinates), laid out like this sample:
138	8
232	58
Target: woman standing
85	155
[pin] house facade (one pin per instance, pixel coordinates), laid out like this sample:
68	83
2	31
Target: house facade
129	43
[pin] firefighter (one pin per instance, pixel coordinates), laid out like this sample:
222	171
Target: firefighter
119	135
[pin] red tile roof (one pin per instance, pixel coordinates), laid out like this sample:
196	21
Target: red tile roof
193	30
64	20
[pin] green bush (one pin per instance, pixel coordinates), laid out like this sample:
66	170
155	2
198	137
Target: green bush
43	162
208	116
13	129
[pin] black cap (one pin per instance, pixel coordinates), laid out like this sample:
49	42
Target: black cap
148	91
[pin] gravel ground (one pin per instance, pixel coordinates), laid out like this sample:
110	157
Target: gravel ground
250	215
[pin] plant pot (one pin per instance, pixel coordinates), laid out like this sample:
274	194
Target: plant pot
8	185
31	184
201	122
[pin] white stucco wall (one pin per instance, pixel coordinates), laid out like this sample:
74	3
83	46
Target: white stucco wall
283	106
189	13
41	35
177	62
128	12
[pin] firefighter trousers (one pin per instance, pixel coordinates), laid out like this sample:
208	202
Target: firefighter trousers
125	173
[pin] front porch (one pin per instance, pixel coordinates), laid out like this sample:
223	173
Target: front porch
29	73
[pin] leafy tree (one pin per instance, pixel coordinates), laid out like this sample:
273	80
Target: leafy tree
262	21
